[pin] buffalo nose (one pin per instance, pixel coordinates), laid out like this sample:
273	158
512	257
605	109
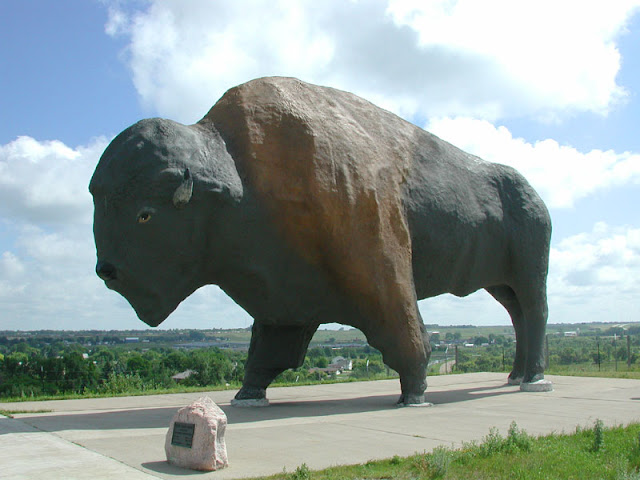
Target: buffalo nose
106	271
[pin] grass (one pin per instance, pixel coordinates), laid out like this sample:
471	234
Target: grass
11	413
132	393
589	453
607	371
183	389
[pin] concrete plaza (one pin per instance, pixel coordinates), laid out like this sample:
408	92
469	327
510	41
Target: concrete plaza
320	425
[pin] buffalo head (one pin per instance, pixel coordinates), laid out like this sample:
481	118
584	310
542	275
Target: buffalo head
159	190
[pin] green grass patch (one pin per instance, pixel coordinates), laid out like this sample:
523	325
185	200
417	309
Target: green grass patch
11	413
592	371
128	393
594	453
184	389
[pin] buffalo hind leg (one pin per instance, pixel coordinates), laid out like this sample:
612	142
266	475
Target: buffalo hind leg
273	349
507	298
535	311
528	312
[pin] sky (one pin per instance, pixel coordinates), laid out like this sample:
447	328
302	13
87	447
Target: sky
549	87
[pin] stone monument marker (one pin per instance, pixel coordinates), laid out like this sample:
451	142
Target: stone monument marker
310	205
195	438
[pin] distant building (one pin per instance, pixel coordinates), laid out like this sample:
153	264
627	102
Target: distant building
131	340
341	363
570	334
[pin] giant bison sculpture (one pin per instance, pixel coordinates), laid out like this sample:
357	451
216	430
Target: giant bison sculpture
309	205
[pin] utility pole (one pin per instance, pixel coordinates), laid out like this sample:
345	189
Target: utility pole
629	351
446	368
455	365
598	343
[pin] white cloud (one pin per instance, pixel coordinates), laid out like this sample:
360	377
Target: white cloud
595	276
479	308
555	55
561	174
11	275
606	258
437	58
46	181
10	265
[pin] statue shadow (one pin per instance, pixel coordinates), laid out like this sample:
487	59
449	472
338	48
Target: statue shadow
278	410
166	468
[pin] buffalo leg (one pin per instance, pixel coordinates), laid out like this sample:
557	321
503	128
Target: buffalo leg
507	298
536	315
272	350
407	351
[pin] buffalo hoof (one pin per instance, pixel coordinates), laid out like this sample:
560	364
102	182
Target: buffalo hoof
514	380
251	397
537	386
250	402
412	400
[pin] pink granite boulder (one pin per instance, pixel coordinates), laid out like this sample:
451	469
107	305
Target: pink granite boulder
195	438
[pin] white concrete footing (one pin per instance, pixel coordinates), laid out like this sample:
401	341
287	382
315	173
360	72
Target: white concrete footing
414	405
539	386
250	403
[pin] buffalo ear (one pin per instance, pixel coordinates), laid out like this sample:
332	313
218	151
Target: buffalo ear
183	193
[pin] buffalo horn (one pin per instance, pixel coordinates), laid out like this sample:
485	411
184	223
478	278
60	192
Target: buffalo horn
183	193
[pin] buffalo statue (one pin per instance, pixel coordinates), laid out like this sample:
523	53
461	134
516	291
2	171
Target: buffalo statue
309	205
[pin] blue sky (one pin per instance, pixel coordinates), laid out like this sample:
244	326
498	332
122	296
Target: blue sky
548	87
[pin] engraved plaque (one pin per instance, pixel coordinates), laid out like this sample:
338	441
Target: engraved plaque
183	434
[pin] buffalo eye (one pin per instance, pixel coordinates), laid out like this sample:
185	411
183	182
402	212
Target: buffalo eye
144	216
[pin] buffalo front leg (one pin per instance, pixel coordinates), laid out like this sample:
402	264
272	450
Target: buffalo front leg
273	349
406	349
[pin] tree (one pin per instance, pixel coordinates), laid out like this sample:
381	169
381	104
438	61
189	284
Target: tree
212	367
361	370
176	361
322	362
79	374
140	365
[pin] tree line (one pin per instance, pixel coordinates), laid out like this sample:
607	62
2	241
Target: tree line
41	367
58	369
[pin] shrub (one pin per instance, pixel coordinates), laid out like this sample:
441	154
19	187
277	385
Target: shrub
491	444
598	436
124	383
518	439
301	473
439	462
